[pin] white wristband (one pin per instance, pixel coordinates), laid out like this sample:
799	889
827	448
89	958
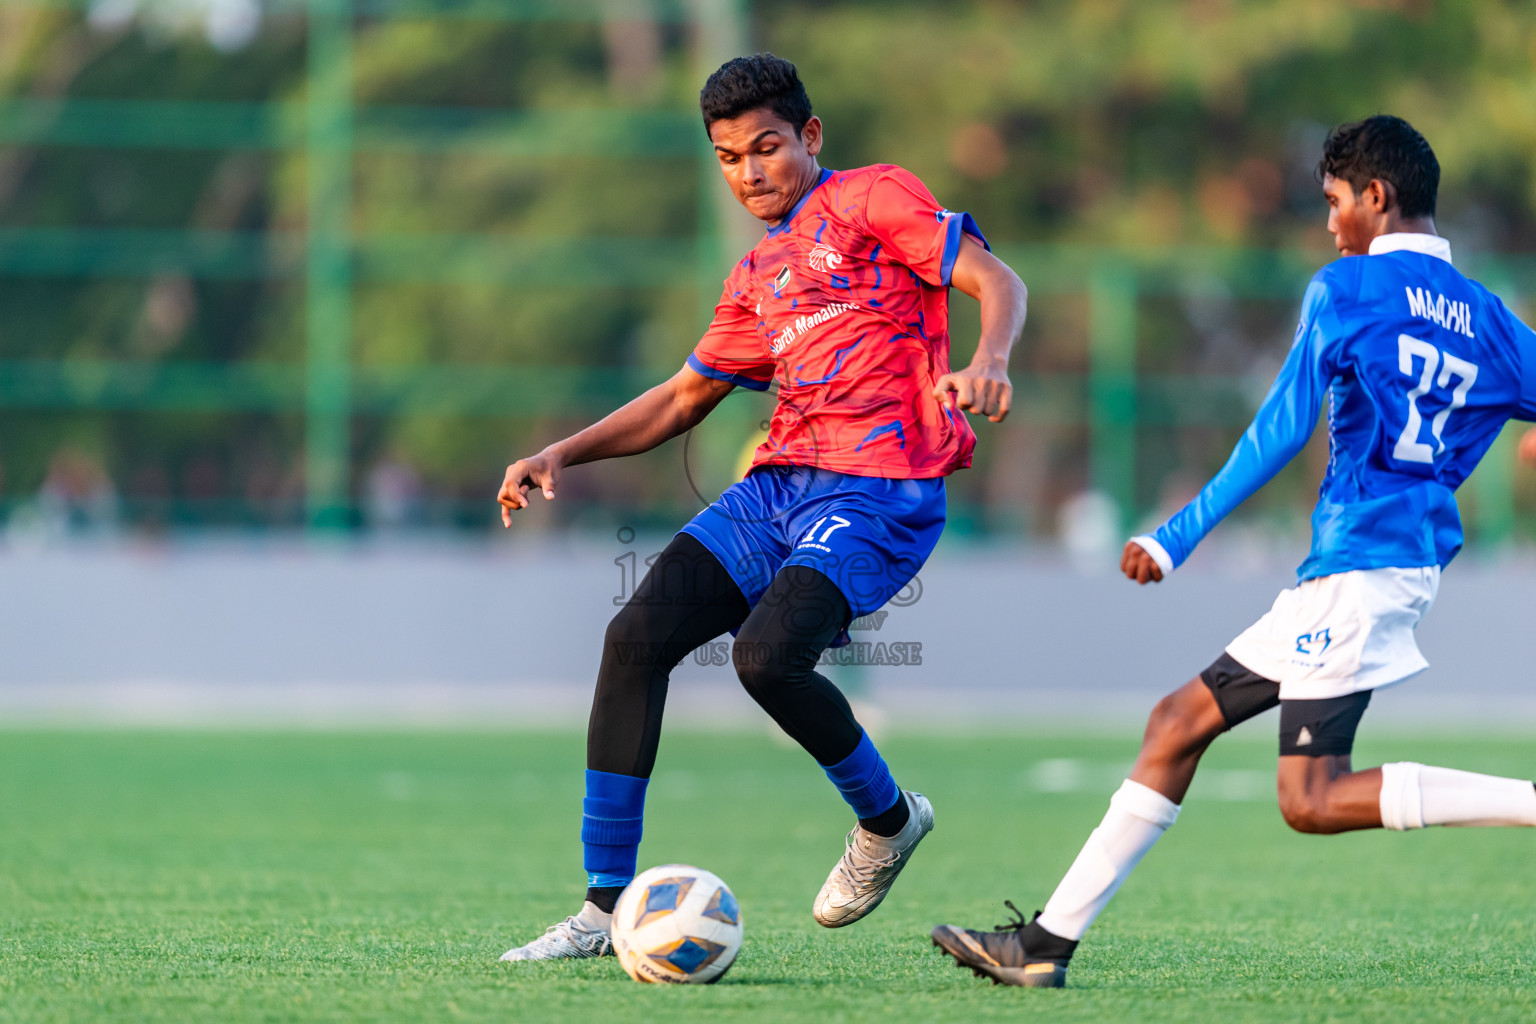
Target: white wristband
1159	553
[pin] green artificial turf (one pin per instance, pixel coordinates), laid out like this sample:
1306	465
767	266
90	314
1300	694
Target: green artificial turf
270	877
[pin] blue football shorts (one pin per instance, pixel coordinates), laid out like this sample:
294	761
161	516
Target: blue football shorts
868	535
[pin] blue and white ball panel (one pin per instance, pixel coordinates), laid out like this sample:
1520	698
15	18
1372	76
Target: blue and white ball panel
722	907
677	924
686	956
662	897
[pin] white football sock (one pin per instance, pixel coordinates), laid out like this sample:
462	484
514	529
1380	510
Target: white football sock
594	918
1138	816
1417	795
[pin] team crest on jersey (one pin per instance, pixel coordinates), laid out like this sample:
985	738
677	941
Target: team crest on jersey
824	258
780	280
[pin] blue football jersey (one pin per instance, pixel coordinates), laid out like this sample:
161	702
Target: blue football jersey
1420	368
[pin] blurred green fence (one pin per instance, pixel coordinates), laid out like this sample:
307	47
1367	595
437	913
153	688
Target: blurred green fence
330	259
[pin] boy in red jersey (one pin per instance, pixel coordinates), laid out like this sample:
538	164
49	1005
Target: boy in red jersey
844	304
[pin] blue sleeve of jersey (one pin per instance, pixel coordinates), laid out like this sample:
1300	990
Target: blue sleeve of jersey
1279	431
1525	344
959	223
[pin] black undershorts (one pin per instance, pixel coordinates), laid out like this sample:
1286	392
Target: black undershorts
1308	728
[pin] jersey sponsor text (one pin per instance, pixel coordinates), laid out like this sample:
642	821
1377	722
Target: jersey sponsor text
805	323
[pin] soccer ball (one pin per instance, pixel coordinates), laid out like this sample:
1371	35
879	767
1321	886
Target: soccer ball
677	924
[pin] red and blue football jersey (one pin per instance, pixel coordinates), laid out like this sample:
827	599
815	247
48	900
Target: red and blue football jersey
845	303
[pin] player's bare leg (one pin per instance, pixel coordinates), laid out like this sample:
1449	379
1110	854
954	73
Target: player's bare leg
1035	953
1180	728
1318	794
1321	795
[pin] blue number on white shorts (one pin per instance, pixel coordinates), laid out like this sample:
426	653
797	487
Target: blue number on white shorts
1305	642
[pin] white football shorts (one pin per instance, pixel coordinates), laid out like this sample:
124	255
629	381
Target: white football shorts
1340	634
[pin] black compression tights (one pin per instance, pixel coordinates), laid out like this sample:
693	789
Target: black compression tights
688	599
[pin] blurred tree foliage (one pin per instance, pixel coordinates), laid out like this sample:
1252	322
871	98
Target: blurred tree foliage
1096	123
1172	120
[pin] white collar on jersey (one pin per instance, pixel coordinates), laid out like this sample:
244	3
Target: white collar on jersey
1413	241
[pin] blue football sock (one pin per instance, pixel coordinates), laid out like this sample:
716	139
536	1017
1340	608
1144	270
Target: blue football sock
864	780
612	816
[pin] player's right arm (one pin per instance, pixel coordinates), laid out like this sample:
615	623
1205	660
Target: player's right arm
1525	341
662	413
1279	431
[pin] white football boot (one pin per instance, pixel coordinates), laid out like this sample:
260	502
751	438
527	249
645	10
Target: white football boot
869	867
576	938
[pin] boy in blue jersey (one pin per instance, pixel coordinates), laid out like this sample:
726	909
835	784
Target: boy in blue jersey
1419	369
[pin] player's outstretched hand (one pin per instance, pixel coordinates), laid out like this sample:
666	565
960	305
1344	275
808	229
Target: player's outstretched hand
541	471
1528	447
983	390
1138	565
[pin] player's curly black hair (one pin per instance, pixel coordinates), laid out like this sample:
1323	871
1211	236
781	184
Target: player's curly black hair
1388	148
747	83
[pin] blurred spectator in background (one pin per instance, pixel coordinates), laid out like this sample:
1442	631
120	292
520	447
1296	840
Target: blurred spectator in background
149	499
78	492
274	493
395	495
76	498
202	485
1090	529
